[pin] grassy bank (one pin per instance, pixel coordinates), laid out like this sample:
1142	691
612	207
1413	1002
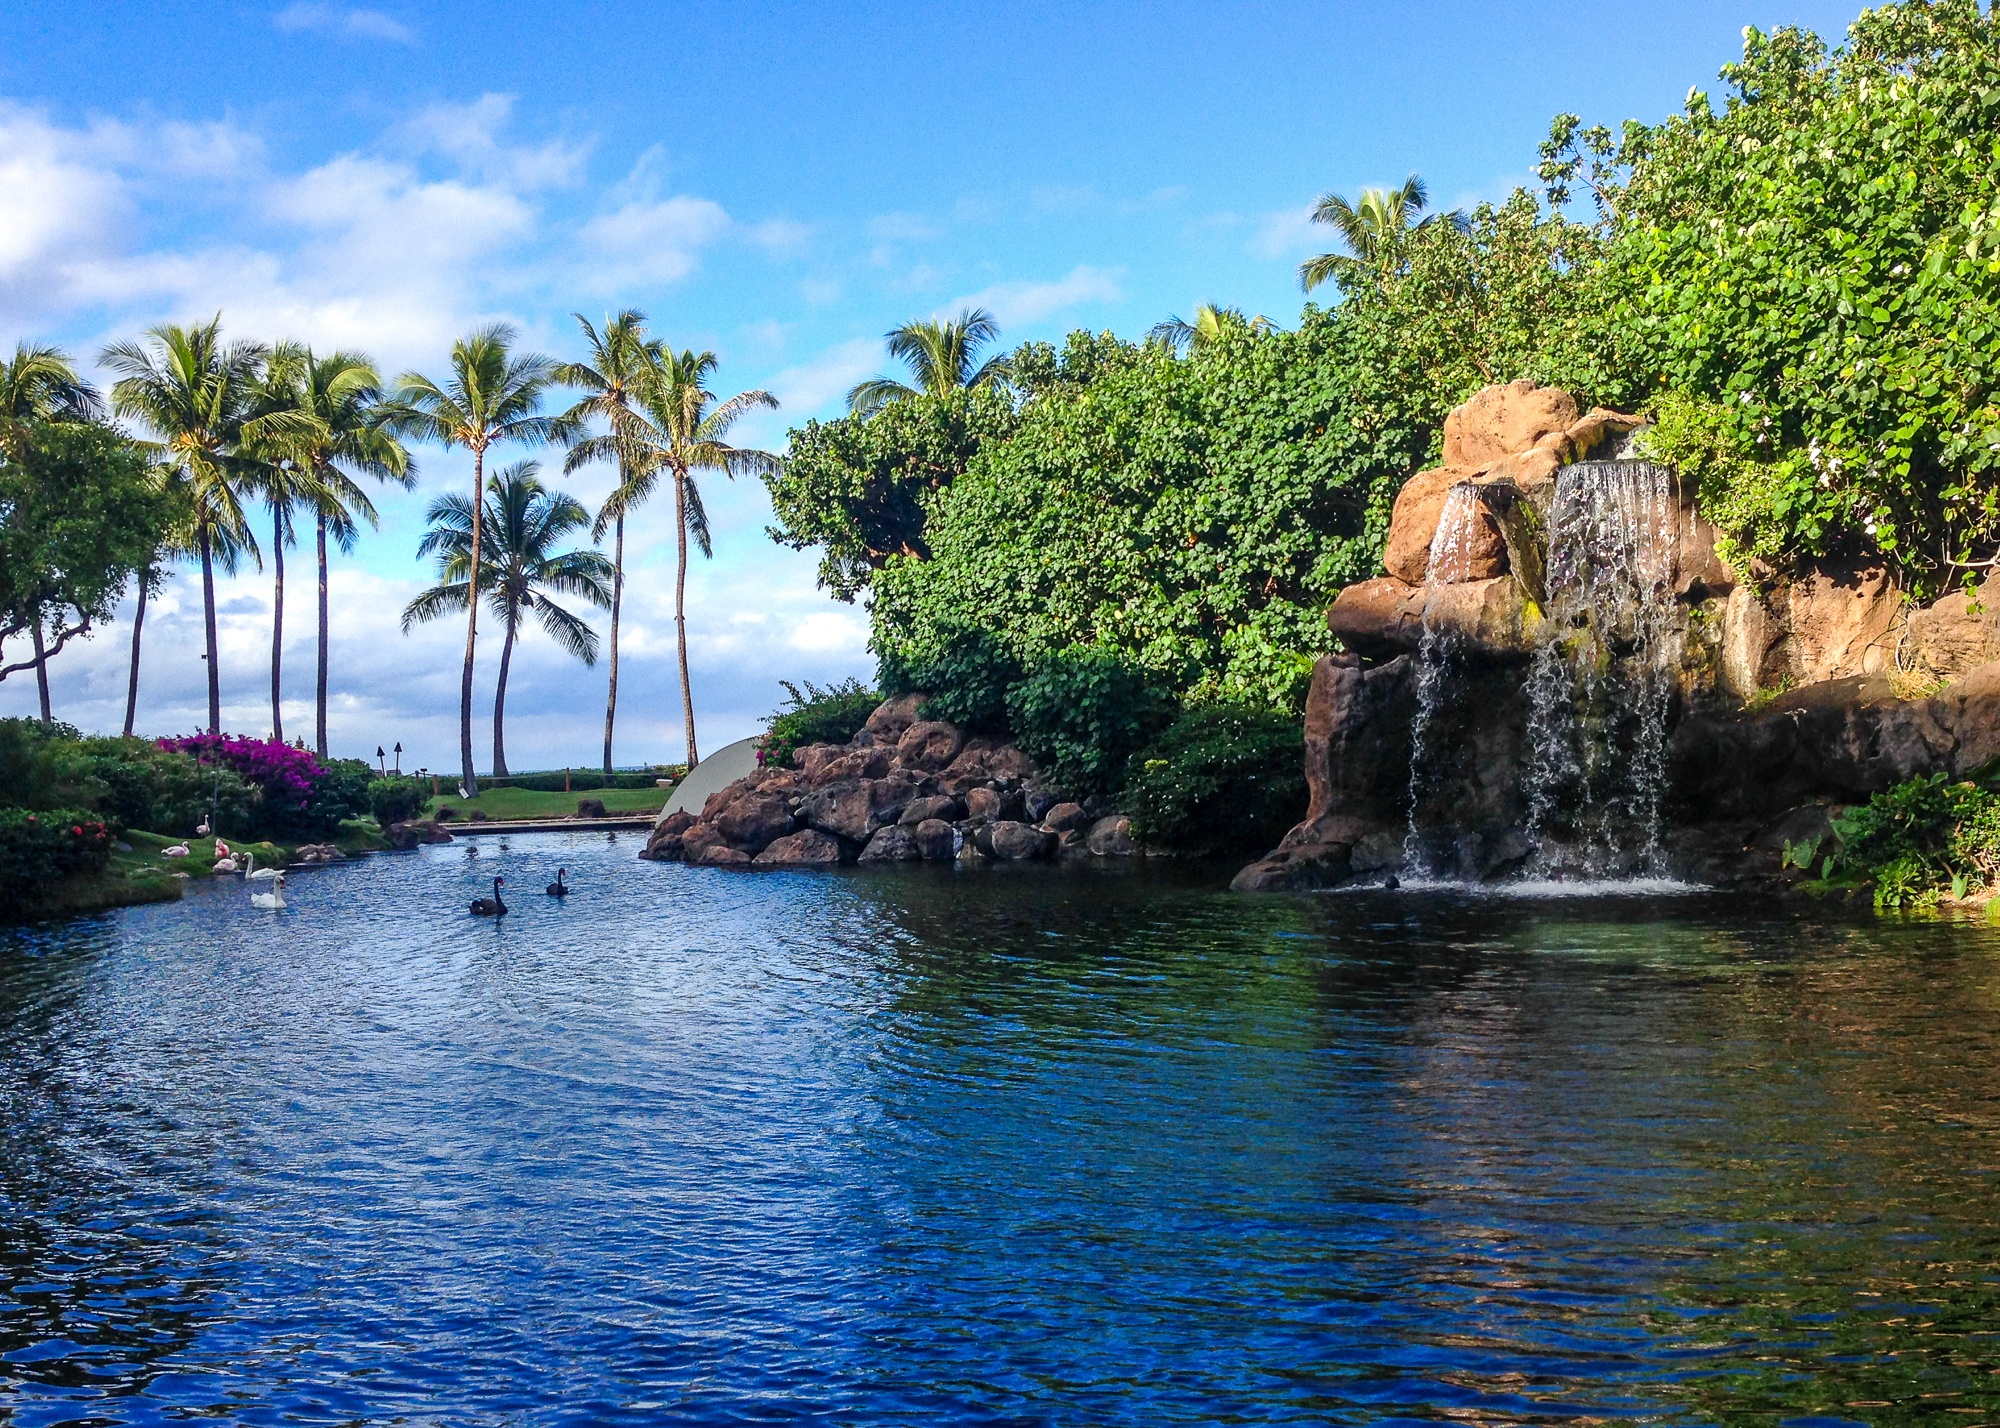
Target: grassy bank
505	803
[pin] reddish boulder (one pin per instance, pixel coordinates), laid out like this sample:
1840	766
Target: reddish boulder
982	802
854	810
1017	842
935	840
663	845
754	820
807	848
853	764
894	844
941	805
1111	837
1065	817
1499	421
892	717
727	795
929	744
721	855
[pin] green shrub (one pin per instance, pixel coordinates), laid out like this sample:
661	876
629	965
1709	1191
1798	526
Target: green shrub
816	716
1223	778
966	671
1921	840
397	799
40	847
1082	712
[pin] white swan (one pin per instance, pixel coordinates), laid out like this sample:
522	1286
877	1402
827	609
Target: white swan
273	899
251	870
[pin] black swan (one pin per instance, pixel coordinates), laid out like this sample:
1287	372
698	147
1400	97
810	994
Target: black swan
490	906
559	888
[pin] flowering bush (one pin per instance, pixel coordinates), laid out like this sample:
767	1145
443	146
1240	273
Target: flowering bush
300	797
37	849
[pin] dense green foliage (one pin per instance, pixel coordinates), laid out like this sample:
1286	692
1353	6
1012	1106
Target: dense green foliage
1081	712
1820	262
397	798
40	848
79	521
1222	779
812	715
1919	842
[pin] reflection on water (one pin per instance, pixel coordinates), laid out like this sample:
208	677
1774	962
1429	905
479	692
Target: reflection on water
994	1147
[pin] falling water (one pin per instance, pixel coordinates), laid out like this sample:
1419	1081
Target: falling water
1448	564
1600	687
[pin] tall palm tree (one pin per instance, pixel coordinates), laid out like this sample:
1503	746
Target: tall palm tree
1368	228
342	393
940	355
681	434
493	395
1210	323
197	395
177	542
620	358
524	522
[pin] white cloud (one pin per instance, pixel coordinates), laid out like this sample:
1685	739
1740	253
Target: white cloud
470	136
58	207
830	632
657	242
342	20
1289	233
1026	302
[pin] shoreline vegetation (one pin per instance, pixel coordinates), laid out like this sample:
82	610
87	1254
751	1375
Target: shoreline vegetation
1118	554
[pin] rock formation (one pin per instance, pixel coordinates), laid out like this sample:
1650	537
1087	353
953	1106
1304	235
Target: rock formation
904	789
1428	740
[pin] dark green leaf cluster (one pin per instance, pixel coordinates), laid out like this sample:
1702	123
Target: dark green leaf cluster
1822	260
1082	711
38	848
1921	840
1223	778
816	716
397	799
860	487
133	783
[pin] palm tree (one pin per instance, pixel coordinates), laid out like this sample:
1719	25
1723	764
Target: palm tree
620	358
342	393
1210	322
1368	228
940	355
492	395
196	394
177	542
524	521
679	436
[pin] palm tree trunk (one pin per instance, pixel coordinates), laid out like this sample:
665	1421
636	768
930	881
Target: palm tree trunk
470	778
42	671
278	627
500	705
680	611
319	698
132	682
208	617
617	595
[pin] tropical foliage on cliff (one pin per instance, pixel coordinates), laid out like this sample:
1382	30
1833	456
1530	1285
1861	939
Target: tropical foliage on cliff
1801	282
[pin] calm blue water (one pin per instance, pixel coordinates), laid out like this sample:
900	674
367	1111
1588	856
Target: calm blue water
1011	1147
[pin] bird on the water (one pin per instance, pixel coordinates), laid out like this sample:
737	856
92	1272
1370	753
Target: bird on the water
559	888
490	906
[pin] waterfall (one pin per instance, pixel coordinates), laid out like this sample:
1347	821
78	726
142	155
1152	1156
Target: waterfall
1600	687
1450	551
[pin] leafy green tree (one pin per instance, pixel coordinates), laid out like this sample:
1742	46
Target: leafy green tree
1368	228
621	357
860	487
1818	263
679	436
524	522
342	394
943	356
197	395
80	518
493	395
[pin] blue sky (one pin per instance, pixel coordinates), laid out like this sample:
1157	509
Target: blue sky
778	183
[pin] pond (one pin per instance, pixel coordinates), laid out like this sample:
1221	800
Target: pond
1012	1146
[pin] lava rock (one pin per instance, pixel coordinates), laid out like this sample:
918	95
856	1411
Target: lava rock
807	848
591	808
721	855
1037	801
935	840
855	809
982	802
937	805
1064	817
892	717
1300	869
1111	837
1017	842
405	836
929	744
753	822
663	845
894	844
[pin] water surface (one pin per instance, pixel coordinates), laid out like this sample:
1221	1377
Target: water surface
1004	1146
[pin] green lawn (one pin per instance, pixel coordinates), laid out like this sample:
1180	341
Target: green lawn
504	803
